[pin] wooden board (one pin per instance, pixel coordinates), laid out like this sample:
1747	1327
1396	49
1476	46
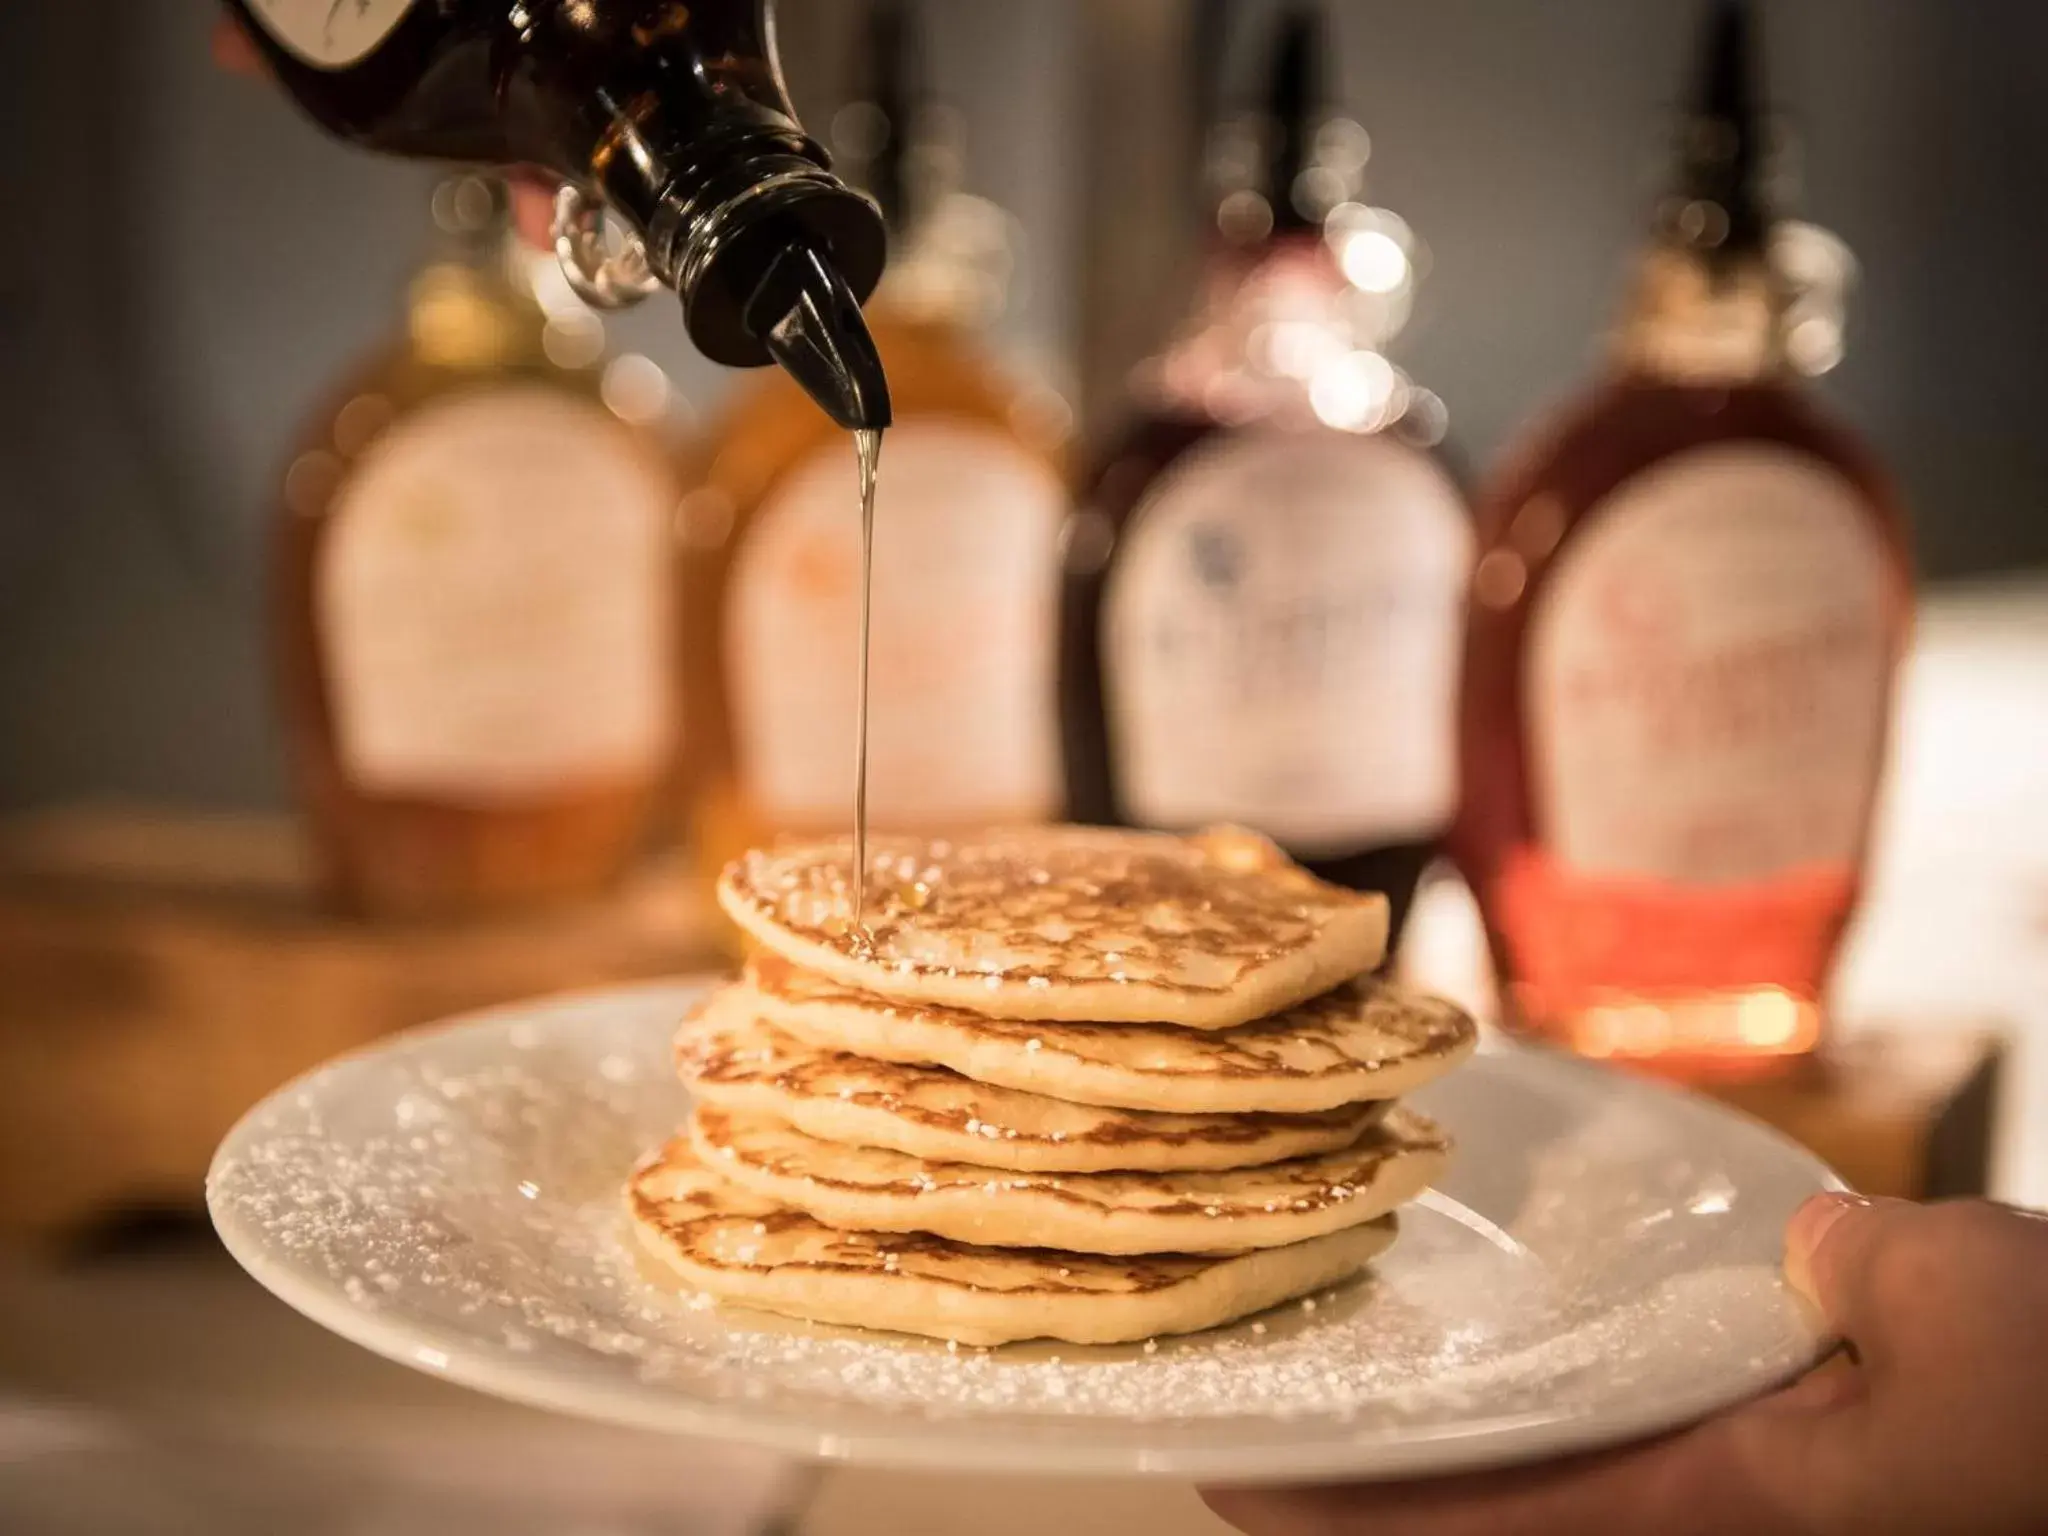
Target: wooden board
1896	1111
161	974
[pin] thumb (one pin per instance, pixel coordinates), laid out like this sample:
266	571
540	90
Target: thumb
533	210
1839	1250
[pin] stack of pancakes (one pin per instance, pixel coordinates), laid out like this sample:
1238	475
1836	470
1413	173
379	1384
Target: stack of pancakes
1068	1083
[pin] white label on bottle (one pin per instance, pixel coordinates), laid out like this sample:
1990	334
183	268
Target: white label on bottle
1280	641
494	599
331	34
1709	672
962	712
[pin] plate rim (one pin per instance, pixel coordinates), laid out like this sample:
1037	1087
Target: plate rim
439	1350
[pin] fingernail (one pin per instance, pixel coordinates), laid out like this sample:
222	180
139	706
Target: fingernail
1808	1229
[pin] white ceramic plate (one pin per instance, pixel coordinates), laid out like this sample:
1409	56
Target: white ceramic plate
1601	1264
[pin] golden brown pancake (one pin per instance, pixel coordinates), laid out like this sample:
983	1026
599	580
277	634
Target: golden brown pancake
867	1189
749	1251
1366	1039
1078	924
737	1061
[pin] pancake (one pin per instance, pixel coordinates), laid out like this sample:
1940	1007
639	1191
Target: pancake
736	1061
1064	923
746	1250
1367	1039
868	1189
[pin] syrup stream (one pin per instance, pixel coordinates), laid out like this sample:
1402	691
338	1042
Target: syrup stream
867	444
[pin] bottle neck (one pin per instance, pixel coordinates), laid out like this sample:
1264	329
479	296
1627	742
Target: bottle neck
951	254
951	267
1692	321
1283	338
772	256
683	128
470	306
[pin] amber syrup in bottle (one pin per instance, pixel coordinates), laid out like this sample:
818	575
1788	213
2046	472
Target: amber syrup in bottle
1691	597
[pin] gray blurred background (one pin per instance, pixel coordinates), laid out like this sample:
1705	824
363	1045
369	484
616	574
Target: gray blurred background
190	266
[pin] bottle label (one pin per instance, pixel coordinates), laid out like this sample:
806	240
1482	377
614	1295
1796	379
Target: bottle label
962	722
330	34
1280	641
493	601
1709	673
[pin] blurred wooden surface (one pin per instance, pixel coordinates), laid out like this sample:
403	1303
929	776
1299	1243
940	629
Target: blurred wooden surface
1918	1097
160	974
163	973
1893	1112
168	1393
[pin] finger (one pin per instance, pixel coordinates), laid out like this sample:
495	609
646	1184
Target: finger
233	50
1844	1254
1705	1480
533	211
1837	1382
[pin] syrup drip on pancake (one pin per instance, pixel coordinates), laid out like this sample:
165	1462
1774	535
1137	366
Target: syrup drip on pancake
868	445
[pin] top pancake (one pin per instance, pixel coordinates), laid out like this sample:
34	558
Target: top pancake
1074	924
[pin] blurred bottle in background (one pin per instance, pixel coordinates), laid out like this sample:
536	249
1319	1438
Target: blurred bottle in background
475	592
1264	586
1690	601
969	505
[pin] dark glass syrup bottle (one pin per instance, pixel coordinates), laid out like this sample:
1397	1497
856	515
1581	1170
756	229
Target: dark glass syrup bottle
669	117
1265	579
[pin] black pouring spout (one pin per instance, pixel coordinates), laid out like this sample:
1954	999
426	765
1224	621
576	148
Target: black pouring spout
809	320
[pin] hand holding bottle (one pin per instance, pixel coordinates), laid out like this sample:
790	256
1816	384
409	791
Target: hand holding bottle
1934	1427
532	195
